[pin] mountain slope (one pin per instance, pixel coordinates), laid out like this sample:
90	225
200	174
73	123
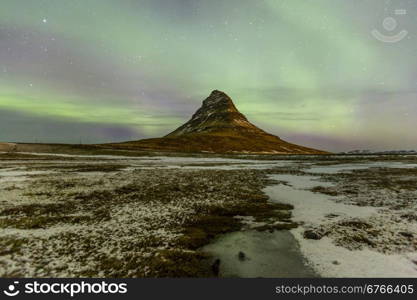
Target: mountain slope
219	127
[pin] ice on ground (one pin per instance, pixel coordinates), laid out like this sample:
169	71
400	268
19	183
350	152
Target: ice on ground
329	260
263	254
311	208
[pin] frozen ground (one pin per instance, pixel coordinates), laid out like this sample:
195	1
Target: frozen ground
352	240
115	216
63	216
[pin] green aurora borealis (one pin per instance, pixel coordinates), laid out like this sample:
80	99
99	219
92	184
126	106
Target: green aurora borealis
309	71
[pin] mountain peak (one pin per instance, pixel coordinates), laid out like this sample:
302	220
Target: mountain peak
216	94
218	114
219	100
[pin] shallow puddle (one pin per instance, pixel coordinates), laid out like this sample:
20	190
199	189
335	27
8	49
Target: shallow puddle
266	255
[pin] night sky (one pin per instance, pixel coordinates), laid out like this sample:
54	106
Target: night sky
309	71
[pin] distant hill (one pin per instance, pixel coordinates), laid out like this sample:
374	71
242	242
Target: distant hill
218	127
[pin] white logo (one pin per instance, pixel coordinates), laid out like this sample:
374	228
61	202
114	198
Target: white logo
12	291
390	24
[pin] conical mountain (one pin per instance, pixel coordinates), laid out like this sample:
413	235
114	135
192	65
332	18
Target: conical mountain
218	127
218	114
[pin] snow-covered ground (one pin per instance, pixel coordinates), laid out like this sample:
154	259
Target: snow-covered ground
30	181
314	210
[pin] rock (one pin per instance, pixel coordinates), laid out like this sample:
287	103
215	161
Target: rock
215	267
363	239
356	224
241	256
335	262
331	216
406	234
312	235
